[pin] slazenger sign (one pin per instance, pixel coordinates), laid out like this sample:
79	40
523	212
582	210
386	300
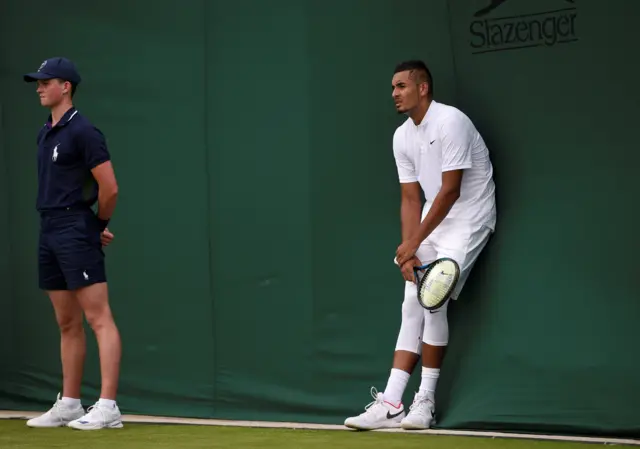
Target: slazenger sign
489	32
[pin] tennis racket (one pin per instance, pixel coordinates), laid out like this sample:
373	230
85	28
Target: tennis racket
435	282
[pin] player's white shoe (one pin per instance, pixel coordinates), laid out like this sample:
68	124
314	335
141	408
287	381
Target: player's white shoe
99	416
58	416
421	413
377	415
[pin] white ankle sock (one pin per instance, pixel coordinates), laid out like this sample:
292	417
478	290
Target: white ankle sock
395	386
70	402
107	402
429	380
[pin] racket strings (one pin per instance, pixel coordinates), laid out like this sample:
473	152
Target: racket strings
437	283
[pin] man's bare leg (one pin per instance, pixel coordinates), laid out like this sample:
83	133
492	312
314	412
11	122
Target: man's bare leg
94	301
432	356
72	340
405	361
422	411
72	354
388	411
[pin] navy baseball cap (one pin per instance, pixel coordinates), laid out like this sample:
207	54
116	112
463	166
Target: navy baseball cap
55	68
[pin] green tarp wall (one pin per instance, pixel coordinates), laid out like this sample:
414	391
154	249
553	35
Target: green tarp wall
259	210
6	302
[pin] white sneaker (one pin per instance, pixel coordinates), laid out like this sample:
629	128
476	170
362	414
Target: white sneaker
58	416
99	417
421	413
377	415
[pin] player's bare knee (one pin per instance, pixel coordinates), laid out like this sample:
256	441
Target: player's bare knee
67	311
99	316
70	324
95	303
100	320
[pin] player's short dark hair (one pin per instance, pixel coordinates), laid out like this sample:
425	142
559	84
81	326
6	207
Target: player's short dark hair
423	72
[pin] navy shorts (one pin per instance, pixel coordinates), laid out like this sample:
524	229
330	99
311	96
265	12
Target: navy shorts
70	254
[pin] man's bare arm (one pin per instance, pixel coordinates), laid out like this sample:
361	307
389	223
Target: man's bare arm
442	204
107	190
410	209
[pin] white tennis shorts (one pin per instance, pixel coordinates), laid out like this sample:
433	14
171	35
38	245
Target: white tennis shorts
459	241
454	239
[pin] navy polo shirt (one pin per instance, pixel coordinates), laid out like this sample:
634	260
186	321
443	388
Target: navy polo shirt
66	154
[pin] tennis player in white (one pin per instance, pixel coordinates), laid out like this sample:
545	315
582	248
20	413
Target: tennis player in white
439	151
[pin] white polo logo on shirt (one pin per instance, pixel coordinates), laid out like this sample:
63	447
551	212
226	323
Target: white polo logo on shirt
55	153
86	276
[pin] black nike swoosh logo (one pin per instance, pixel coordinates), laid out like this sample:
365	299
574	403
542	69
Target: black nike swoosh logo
431	143
390	416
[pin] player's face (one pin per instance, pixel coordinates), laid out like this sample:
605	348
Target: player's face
405	92
50	92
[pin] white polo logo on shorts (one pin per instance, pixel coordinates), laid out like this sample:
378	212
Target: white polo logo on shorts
55	153
86	276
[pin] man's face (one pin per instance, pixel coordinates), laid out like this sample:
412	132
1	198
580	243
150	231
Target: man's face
51	91
406	92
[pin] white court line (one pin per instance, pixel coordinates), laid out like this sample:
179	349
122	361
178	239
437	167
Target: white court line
142	419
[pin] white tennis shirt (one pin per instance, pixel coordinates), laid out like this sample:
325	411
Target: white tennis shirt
446	139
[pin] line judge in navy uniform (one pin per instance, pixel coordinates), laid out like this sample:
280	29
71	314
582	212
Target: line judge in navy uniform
75	172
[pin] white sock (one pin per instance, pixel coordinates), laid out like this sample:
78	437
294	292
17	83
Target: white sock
395	386
429	380
107	402
70	402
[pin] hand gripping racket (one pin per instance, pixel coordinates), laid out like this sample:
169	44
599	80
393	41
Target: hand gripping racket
435	282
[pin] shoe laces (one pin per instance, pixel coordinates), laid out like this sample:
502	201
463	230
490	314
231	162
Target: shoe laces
96	413
56	410
377	401
420	404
